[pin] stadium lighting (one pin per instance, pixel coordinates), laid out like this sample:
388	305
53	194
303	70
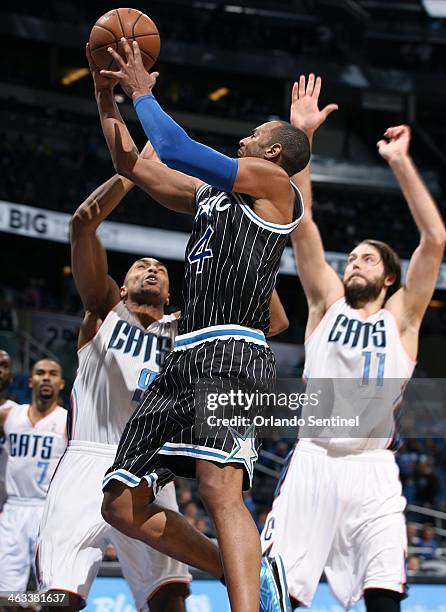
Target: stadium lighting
435	8
218	94
74	75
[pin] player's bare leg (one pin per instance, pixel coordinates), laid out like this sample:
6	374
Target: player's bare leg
220	488
134	512
170	598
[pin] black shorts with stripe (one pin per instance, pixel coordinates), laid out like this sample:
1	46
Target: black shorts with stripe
162	438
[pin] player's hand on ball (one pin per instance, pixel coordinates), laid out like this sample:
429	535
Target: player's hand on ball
395	144
100	82
132	76
305	113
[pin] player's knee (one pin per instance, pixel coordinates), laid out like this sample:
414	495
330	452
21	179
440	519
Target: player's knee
114	513
170	597
216	494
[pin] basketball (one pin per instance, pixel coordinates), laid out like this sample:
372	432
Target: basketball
133	25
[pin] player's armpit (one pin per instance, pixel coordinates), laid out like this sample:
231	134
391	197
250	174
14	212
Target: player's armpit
89	328
278	320
170	188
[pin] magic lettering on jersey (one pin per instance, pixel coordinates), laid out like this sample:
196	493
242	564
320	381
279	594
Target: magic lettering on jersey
132	340
353	332
30	445
220	203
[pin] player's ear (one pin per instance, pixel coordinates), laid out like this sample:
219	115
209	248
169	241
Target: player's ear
123	292
30	382
389	280
167	302
62	385
273	152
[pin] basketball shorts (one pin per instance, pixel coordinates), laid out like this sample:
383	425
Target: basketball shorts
163	430
19	525
342	514
73	535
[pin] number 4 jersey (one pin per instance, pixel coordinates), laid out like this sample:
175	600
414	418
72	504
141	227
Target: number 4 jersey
115	368
360	368
33	452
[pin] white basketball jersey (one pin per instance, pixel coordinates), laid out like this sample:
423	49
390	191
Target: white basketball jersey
33	452
4	455
364	368
115	369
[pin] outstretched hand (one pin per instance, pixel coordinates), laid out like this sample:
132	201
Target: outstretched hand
305	113
100	82
395	144
132	76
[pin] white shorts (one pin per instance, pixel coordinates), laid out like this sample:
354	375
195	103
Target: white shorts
342	514
73	534
19	525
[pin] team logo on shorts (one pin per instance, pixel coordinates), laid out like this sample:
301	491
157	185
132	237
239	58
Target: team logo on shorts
244	450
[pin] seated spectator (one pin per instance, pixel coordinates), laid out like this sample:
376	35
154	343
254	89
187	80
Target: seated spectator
413	565
428	540
427	483
110	553
8	315
412	535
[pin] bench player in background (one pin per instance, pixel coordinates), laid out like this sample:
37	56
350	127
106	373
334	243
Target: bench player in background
5	404
232	261
35	439
340	507
122	343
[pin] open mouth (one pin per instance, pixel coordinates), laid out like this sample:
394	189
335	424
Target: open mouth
46	389
151	280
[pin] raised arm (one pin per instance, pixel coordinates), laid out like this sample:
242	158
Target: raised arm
410	303
98	292
171	189
321	284
256	177
278	320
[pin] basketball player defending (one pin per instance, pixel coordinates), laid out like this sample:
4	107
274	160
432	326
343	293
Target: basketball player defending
35	438
344	495
123	340
5	404
232	261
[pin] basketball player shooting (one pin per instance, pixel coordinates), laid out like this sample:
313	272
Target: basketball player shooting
345	494
232	261
123	340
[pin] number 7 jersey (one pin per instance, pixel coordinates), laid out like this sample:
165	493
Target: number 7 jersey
115	368
33	452
362	367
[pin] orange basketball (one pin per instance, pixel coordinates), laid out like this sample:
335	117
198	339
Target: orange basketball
133	25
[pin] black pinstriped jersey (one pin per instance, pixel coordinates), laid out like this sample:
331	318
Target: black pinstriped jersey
232	261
